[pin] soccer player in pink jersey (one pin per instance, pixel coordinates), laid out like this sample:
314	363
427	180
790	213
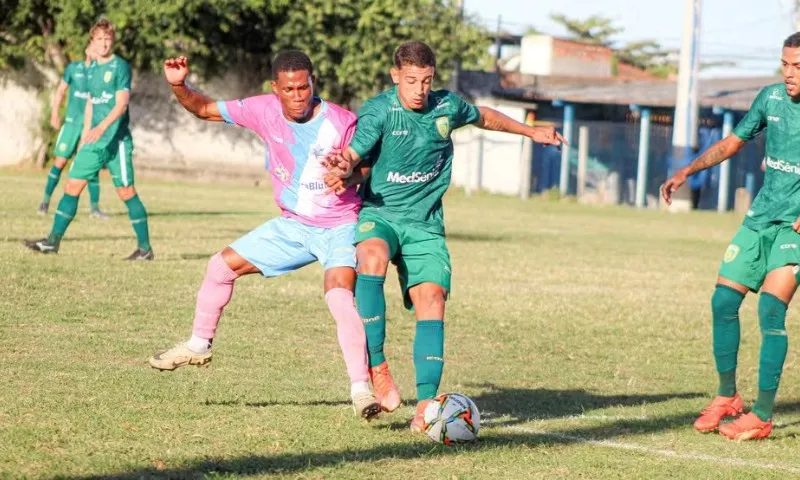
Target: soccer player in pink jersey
299	130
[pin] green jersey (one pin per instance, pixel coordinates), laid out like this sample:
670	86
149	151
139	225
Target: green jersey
411	154
778	201
105	80
75	75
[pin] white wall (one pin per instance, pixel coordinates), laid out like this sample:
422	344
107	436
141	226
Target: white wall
489	161
164	134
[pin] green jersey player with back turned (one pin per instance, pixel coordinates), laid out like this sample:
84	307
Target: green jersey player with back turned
406	132
763	255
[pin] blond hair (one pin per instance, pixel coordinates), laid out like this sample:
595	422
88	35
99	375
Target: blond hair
104	25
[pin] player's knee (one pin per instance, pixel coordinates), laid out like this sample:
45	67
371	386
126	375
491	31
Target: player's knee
60	162
431	297
74	187
372	260
126	193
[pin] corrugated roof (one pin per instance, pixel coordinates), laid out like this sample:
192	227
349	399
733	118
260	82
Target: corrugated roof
730	93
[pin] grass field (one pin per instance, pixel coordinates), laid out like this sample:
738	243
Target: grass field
583	335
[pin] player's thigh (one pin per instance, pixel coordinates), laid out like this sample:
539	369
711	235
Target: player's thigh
335	249
377	242
237	263
745	259
67	141
120	162
784	258
424	258
276	247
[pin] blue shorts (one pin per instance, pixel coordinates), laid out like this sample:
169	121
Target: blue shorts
283	245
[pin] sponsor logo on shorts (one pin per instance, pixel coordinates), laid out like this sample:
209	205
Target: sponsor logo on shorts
435	359
787	246
443	126
371	319
783	166
366	227
731	253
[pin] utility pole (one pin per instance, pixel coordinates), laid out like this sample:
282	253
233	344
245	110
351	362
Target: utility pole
454	81
684	133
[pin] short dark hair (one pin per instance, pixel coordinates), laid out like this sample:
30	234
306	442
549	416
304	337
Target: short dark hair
416	54
792	41
290	61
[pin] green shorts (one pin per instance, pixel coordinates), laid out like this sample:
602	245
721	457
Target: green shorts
67	141
752	254
420	256
117	156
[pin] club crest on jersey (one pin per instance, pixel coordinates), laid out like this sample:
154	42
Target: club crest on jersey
366	227
443	126
282	173
107	77
730	253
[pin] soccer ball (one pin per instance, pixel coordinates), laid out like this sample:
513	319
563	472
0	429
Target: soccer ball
452	418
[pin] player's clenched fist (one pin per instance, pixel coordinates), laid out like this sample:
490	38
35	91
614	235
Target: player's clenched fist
176	70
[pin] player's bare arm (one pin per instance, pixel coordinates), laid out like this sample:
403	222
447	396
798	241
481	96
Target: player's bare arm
175	71
122	98
716	154
58	97
491	119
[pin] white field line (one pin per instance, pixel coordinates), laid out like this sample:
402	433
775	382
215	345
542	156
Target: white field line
698	457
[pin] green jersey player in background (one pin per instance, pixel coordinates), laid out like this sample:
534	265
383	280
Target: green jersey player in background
764	254
406	132
107	142
75	80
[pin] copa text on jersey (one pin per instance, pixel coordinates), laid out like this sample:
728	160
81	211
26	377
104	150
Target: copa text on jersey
413	177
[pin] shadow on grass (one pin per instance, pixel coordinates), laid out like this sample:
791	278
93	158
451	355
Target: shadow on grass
476	237
520	403
277	403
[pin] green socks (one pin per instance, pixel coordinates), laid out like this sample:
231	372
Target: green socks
725	305
52	180
428	357
94	193
774	344
64	215
138	216
371	304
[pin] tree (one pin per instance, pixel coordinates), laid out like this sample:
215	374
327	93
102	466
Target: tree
596	30
351	42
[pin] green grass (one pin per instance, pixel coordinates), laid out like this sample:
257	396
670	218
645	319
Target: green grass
583	335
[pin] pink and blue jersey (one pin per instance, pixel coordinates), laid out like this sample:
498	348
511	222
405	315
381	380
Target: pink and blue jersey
295	152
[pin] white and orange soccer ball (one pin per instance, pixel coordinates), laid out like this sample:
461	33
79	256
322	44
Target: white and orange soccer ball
452	418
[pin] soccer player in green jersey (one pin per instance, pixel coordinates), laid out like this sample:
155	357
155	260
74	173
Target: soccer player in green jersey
107	141
406	130
764	254
74	79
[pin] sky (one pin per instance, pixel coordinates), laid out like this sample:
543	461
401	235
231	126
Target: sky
748	32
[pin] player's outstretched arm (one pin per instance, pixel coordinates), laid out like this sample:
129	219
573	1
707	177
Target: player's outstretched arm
491	119
717	153
176	70
339	185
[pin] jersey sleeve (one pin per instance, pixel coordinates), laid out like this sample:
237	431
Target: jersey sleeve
465	114
755	120
67	76
245	112
369	130
123	77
